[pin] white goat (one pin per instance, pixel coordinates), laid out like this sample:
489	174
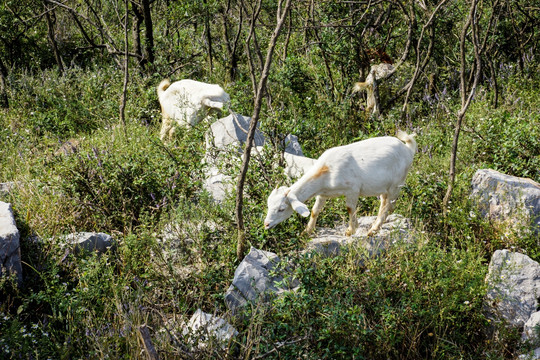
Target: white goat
372	167
185	102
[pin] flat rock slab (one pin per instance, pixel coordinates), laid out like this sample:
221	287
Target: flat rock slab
506	199
330	241
513	282
10	250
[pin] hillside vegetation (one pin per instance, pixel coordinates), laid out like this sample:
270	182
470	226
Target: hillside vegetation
79	162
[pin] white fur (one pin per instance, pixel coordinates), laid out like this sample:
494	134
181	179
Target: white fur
295	165
186	101
373	167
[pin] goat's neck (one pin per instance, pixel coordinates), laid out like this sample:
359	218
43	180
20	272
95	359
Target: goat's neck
305	189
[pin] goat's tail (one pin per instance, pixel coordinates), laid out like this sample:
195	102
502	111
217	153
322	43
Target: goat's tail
407	139
163	85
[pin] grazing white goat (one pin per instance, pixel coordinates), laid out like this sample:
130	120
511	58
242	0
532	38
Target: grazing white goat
377	166
185	102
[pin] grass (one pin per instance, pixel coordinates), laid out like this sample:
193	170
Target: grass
421	300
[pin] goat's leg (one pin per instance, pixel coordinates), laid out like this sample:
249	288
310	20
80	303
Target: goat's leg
317	208
388	203
351	202
165	128
381	217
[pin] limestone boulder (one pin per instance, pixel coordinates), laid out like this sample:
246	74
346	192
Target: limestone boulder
531	328
259	276
224	146
204	327
513	282
531	355
10	251
231	130
508	200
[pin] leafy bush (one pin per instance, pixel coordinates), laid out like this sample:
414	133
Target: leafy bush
117	181
414	302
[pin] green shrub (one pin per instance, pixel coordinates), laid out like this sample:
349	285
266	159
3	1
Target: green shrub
114	181
412	302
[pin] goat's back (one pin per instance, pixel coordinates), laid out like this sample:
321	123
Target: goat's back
369	167
193	92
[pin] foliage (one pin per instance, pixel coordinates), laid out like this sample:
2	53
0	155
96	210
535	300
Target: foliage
415	302
73	168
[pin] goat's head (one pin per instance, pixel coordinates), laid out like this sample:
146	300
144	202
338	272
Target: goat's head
281	205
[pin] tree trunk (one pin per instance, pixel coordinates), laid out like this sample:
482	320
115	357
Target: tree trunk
281	15
52	39
126	71
465	98
208	36
4	102
136	30
149	31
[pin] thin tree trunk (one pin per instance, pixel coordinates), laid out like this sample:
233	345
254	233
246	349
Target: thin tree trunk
4	102
149	31
208	36
281	15
232	49
421	66
126	70
52	39
136	30
465	98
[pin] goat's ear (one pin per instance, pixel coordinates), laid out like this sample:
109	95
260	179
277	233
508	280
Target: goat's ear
298	206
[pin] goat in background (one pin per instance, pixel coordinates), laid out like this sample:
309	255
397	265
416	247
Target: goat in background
186	102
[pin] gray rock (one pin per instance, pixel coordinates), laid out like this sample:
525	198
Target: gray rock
258	277
292	146
533	355
513	282
231	130
6	187
219	186
330	241
530	332
89	241
224	146
202	327
10	251
506	199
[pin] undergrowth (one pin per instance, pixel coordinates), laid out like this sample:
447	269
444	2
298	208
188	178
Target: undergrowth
74	168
